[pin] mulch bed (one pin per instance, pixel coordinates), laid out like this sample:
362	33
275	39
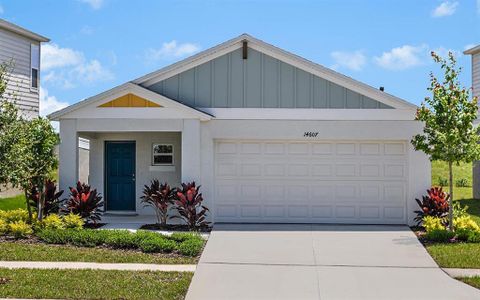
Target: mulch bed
94	226
174	227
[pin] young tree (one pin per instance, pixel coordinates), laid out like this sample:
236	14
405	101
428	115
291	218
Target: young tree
27	147
448	134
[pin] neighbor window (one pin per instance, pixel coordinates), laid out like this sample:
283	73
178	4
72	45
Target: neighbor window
35	65
162	154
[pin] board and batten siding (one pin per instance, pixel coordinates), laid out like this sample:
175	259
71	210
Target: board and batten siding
260	81
17	48
476	74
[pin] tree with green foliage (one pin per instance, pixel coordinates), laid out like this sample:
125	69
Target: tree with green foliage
27	156
449	133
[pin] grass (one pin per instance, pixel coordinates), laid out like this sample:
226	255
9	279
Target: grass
12	202
12	251
93	284
456	255
473	281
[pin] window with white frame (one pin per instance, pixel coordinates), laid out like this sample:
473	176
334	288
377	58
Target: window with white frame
35	66
162	154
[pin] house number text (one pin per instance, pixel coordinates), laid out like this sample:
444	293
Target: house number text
310	134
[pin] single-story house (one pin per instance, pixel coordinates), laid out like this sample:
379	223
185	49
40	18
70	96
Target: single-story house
270	137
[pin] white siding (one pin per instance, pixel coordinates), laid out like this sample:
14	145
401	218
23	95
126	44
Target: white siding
17	48
476	74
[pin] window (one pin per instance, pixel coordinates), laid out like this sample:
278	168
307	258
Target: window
162	154
35	65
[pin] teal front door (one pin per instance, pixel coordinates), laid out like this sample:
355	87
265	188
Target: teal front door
120	176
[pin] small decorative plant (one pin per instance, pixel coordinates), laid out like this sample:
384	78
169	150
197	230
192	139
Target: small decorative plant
462	182
160	197
442	181
434	204
85	202
51	196
188	202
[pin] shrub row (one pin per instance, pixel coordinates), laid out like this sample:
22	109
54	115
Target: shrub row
188	244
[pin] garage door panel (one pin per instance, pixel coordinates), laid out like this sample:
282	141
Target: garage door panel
332	182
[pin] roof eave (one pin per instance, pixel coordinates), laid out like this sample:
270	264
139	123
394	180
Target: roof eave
472	51
23	32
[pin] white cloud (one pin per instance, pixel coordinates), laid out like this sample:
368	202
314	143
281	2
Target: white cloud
49	104
171	50
95	4
68	67
355	60
446	8
55	57
402	58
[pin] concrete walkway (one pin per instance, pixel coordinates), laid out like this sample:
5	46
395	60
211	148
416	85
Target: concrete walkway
95	266
320	262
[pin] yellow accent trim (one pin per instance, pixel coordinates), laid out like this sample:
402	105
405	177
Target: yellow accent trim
130	100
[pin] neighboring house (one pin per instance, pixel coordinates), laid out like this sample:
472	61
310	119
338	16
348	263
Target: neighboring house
21	47
270	137
475	53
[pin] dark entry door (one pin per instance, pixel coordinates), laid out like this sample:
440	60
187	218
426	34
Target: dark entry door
120	176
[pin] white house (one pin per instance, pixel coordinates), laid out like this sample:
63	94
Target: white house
270	136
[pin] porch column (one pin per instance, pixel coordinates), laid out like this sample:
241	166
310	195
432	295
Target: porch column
68	164
191	151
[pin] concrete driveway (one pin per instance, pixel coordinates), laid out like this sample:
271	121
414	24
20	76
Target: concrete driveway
283	261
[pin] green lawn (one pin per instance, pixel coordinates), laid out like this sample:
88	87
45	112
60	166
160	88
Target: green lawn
458	255
40	252
12	203
93	284
473	281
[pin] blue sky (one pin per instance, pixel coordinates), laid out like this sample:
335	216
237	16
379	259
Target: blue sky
98	44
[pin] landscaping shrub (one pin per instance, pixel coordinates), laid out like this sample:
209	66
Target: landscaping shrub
434	204
160	197
433	223
465	223
190	247
188	203
439	235
73	221
462	182
442	181
3	227
51	196
52	221
122	239
157	244
15	215
20	229
85	202
459	210
147	241
473	237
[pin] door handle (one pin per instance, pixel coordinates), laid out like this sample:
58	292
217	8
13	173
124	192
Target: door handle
133	177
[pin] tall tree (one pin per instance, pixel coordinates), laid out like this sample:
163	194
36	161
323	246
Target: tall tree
27	156
449	133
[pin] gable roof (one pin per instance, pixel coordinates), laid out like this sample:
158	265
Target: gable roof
133	88
473	50
282	55
22	31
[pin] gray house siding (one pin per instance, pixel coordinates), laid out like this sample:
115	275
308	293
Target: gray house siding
260	81
476	74
17	48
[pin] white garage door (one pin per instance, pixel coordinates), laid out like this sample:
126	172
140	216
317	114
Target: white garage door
311	182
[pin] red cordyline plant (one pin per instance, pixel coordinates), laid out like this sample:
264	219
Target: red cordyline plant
85	202
434	204
188	203
160	197
51	197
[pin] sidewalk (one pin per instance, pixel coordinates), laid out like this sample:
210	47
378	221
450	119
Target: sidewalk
95	266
